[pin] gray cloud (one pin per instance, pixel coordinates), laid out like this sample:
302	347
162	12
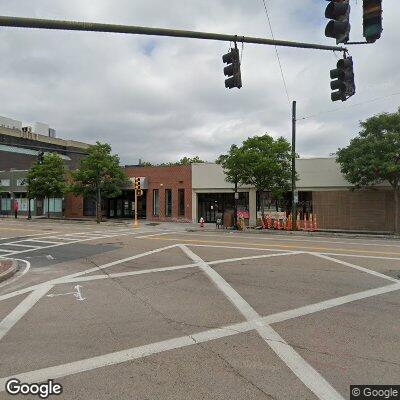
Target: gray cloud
161	98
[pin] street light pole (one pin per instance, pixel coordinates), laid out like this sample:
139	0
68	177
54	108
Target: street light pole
294	213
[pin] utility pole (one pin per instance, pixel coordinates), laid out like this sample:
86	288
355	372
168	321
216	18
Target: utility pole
294	200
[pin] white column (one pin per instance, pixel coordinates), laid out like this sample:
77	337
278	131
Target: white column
253	207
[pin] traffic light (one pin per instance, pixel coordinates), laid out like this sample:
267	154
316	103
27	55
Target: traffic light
343	80
372	20
40	157
338	11
232	69
137	183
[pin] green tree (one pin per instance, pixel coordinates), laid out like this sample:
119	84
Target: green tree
262	162
47	179
232	165
184	161
373	156
99	175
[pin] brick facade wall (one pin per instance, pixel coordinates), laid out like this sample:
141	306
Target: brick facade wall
162	178
73	206
371	210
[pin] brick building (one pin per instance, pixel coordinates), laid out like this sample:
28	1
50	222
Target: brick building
19	149
168	192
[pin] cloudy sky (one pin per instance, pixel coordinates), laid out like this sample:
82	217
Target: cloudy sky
159	99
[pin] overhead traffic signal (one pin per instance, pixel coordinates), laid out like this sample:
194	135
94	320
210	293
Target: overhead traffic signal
338	11
232	70
343	80
372	20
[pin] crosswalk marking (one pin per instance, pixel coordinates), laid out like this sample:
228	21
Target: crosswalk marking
56	240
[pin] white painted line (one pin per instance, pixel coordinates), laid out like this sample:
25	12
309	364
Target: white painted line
77	294
305	372
239	248
56	244
284	239
20	245
360	256
6	251
131	273
172	268
43	241
8	322
327	304
201	337
101	361
67	278
362	269
156	234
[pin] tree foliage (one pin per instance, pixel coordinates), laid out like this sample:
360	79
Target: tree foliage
184	161
232	164
99	175
47	179
262	162
373	156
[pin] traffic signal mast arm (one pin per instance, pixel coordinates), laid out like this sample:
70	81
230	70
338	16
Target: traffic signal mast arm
141	30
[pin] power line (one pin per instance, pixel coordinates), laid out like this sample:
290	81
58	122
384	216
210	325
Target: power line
276	51
351	105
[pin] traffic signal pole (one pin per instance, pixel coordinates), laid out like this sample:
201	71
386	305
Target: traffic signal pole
294	208
135	223
36	23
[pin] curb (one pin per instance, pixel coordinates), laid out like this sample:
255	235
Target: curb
10	272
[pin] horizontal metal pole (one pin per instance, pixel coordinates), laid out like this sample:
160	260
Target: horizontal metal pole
141	30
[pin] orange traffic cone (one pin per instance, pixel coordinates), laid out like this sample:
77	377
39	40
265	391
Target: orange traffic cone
298	222
311	223
315	223
289	223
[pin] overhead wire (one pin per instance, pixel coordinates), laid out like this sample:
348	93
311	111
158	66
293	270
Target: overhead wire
276	51
349	106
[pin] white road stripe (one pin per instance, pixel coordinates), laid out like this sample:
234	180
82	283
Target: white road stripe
70	278
304	371
57	244
240	248
362	269
280	238
20	245
15	315
120	357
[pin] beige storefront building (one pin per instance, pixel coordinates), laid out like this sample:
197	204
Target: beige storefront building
323	190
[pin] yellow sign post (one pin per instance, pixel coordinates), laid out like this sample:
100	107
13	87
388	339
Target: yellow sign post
138	192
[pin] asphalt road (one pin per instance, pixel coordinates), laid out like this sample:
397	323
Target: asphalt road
113	312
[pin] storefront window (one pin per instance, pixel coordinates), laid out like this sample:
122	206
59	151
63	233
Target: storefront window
181	195
55	205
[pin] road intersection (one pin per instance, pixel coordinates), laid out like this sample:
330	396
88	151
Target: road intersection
169	312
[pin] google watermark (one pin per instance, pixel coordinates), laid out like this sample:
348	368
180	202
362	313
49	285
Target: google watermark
374	392
44	390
